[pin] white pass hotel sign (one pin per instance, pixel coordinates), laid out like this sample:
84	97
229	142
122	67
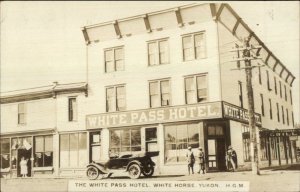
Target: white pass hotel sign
158	115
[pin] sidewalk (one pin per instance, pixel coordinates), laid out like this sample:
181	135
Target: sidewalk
281	179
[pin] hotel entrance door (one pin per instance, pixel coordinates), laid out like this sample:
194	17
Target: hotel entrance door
216	146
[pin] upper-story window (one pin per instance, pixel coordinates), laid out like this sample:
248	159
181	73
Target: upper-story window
287	117
268	81
275	85
193	46
159	93
285	95
271	112
72	109
291	97
158	52
196	89
114	59
115	98
259	75
278	117
283	121
21	113
262	105
280	89
241	94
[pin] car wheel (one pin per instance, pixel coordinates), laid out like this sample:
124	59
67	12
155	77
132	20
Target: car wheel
134	171
148	171
92	173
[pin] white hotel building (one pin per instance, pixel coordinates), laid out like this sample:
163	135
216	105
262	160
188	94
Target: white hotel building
162	81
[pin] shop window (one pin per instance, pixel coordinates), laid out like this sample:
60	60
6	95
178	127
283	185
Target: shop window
193	46
21	113
177	140
72	109
125	140
281	148
159	93
216	130
73	150
274	148
115	98
263	149
196	89
158	52
43	151
246	142
151	139
114	59
5	153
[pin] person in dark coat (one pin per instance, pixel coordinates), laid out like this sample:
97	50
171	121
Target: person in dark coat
201	160
231	159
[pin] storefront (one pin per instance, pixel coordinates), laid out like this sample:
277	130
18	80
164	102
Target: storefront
169	130
35	147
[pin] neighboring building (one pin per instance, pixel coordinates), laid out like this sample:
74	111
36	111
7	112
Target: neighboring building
164	81
161	81
32	120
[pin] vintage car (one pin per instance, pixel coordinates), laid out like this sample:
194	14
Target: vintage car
134	164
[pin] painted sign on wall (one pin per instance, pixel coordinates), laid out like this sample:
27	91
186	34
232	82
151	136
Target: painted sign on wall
159	115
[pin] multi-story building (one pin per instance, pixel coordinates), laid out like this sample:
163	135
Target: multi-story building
32	120
164	81
160	81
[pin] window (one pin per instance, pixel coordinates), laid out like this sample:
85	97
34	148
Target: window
73	150
177	139
195	89
16	144
246	142
274	147
278	117
263	149
115	98
158	52
291	97
21	113
287	117
262	105
293	119
285	95
159	93
275	85
95	146
283	121
271	114
5	153
43	151
259	75
193	46
114	59
72	109
125	140
268	81
280	89
241	94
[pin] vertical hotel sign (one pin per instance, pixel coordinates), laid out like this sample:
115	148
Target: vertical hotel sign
158	115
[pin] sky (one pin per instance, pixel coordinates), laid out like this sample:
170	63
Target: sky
42	42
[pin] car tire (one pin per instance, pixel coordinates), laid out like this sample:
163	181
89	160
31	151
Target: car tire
148	172
134	171
92	173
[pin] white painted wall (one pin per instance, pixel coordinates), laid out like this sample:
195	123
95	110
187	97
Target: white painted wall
40	114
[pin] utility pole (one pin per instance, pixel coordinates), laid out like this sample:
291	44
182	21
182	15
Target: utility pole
246	49
253	145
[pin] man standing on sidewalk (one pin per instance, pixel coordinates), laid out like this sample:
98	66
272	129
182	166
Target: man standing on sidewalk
190	159
201	157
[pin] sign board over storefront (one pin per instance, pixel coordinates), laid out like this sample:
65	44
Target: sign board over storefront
238	114
158	115
282	132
